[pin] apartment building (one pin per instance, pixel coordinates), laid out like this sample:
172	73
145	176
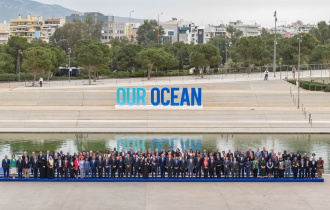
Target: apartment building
4	32
247	29
51	25
29	28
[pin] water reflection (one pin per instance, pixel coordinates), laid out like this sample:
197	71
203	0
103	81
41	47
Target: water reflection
305	143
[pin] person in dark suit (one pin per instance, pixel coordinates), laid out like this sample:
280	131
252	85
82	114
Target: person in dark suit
145	168
31	160
218	167
198	166
229	153
72	168
65	167
35	167
137	166
128	165
100	166
5	167
212	167
291	155
153	163
171	151
216	153
106	163
298	156
183	167
163	152
47	155
295	167
162	165
20	167
25	155
241	161
59	167
26	167
68	156
249	152
313	168
113	165
169	166
121	165
130	152
62	155
93	164
302	168
307	168
191	167
176	167
40	155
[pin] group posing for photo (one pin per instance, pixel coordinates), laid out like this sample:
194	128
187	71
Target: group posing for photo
164	164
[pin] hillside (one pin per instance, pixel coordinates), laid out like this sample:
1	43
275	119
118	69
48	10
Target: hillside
10	9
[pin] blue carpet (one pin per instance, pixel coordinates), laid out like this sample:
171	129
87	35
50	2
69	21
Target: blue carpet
161	180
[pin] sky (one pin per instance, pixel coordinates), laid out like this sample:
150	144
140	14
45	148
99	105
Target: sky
203	12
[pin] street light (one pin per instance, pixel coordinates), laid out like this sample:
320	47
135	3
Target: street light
221	23
299	41
19	65
158	26
129	27
69	54
274	65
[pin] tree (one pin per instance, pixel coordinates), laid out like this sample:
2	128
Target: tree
14	44
326	56
116	42
251	48
204	55
68	35
38	59
60	58
220	42
306	46
92	56
235	34
125	57
6	63
147	34
154	58
181	53
322	32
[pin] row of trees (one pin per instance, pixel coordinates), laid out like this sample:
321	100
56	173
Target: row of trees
82	38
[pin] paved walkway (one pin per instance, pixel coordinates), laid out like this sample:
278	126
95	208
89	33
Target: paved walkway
159	196
230	106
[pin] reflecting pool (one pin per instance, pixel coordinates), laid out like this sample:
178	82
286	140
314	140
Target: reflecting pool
304	143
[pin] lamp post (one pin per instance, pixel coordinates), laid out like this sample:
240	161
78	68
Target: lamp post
299	41
19	65
221	23
129	27
69	54
158	27
274	64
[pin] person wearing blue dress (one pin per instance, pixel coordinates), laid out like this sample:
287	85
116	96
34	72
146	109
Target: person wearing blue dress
270	168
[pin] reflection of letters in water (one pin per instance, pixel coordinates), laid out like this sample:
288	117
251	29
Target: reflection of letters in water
184	143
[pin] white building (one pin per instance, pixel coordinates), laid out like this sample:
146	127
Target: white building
50	26
293	29
4	32
248	30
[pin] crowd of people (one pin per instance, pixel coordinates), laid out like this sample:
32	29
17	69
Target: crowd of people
164	164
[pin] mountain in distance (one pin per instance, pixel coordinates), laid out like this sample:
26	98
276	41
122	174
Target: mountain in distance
11	9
